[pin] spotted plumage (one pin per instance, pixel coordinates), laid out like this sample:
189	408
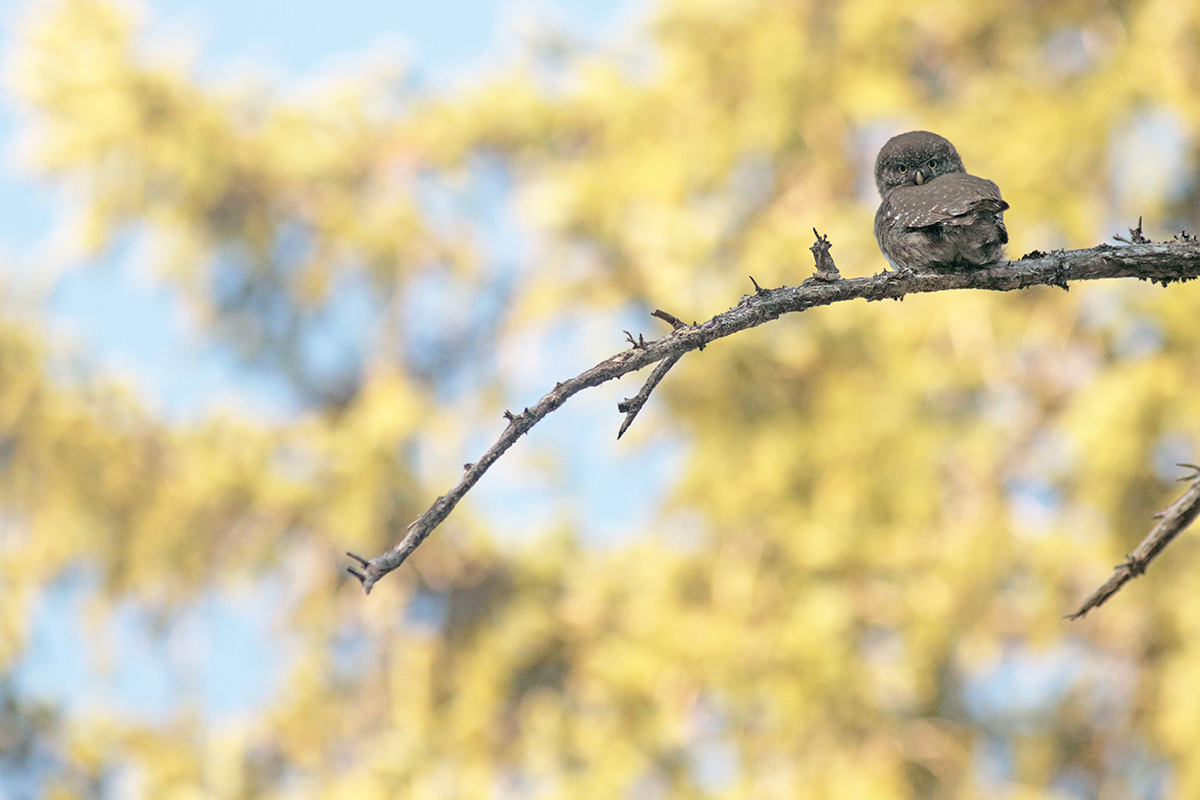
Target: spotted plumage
934	216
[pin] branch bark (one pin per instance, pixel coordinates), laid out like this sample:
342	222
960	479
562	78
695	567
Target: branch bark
1161	263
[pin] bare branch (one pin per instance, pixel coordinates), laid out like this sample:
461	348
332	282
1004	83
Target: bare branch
1171	522
631	406
1160	263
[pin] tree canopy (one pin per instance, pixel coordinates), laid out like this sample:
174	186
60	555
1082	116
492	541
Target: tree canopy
856	585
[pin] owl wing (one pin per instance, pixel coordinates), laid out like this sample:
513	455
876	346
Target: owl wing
952	199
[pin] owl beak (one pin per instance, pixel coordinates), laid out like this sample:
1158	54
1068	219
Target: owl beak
920	177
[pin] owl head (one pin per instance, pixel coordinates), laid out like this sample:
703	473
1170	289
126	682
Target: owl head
914	158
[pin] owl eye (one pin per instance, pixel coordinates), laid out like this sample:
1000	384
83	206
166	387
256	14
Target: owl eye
933	164
903	169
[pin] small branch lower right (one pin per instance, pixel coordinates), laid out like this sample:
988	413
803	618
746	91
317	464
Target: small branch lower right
1171	522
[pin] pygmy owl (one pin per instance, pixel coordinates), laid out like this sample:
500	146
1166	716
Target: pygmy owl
934	216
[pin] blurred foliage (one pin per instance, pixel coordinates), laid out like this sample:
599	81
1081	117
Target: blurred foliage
856	589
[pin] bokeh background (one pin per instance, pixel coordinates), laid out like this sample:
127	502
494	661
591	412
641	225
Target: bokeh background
270	273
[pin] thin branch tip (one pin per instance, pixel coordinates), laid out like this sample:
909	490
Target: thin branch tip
675	322
631	406
1135	235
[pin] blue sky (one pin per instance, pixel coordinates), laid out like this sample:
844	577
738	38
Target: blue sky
443	40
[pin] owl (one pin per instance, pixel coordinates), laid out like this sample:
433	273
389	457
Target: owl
934	216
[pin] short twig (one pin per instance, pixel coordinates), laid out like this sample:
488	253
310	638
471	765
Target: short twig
826	269
674	321
632	405
1135	235
362	561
